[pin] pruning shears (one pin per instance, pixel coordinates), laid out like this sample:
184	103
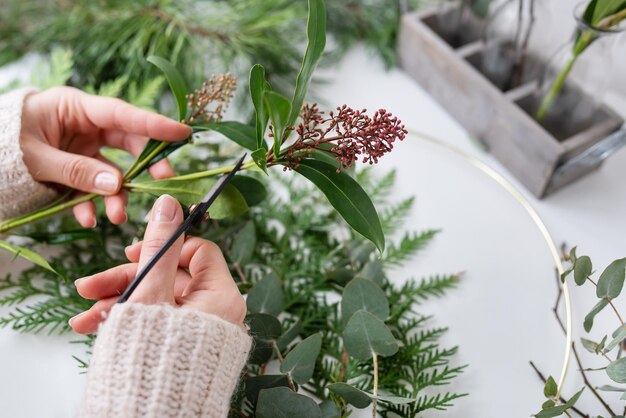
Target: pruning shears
196	215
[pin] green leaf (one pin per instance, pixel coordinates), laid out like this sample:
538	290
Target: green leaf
592	346
365	333
264	328
255	384
188	192
617	370
566	273
550	411
618	337
588	324
550	389
259	158
244	243
373	271
588	14
266	296
547	404
316	42
288	336
257	92
611	280
175	80
604	8
480	8
27	254
63	237
582	270
164	153
284	403
362	294
347	197
340	276
329	409
252	189
352	395
278	107
240	133
300	362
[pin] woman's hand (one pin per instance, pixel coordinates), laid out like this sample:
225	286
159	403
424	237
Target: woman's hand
192	274
63	130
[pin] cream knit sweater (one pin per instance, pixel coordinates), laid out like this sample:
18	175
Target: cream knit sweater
149	360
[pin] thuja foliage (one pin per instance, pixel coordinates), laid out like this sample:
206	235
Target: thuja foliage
113	38
609	346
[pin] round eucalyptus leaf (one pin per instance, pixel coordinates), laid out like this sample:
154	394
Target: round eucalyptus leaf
582	270
281	402
372	270
243	244
329	409
365	333
352	395
340	276
263	326
300	362
611	280
617	370
266	296
588	323
255	384
288	336
362	294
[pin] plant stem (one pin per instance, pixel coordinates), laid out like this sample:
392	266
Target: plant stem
281	359
561	398
214	172
588	384
555	89
375	389
35	216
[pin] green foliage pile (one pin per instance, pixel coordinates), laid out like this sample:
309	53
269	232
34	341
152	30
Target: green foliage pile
112	39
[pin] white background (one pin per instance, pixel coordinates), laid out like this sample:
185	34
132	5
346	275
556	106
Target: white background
501	313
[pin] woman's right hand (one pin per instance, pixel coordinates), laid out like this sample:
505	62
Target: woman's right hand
192	274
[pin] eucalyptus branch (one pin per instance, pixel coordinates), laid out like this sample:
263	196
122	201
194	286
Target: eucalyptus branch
561	398
375	388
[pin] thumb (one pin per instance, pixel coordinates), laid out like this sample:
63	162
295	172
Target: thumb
78	172
158	285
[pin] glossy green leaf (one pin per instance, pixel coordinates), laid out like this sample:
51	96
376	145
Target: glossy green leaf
617	370
365	333
260	159
611	280
352	395
266	296
300	362
362	294
278	107
257	92
229	202
347	197
176	81
588	14
254	384
582	270
250	188
240	133
329	409
588	323
244	243
618	337
150	147
282	402
27	254
316	42
550	389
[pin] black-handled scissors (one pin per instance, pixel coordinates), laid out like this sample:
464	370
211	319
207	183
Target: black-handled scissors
196	215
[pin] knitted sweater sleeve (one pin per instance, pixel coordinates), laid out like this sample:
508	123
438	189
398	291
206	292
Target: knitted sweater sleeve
160	361
19	192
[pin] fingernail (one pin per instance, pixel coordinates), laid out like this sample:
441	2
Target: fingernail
74	317
77	281
164	209
107	182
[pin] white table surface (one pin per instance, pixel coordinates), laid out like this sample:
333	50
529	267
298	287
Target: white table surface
500	315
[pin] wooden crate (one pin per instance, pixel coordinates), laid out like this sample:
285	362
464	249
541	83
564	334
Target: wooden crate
540	161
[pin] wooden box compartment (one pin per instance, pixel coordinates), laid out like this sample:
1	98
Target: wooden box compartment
448	66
